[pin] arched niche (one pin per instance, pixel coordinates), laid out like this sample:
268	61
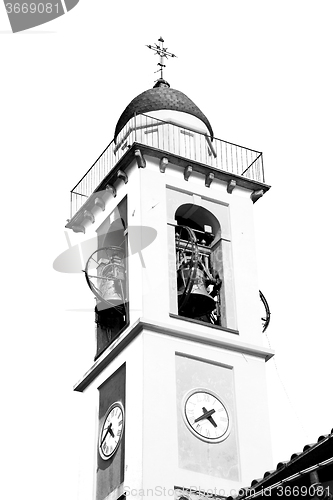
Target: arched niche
112	240
198	218
211	219
199	265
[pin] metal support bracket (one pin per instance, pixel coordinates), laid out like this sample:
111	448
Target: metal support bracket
79	229
100	203
231	186
88	215
209	178
122	175
111	189
256	195
139	159
187	172
163	164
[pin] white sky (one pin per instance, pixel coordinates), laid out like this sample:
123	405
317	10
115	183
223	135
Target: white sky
262	73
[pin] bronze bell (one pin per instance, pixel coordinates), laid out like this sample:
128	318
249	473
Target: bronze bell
199	303
111	273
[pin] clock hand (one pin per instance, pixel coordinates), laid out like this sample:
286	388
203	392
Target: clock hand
206	414
108	430
212	421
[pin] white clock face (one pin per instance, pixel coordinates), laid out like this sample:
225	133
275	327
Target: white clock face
206	416
112	431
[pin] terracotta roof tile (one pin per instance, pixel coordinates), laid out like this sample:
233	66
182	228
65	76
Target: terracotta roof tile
311	454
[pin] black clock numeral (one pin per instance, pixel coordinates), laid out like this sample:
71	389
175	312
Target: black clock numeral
119	432
120	422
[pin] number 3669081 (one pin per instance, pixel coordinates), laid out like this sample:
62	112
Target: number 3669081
32	8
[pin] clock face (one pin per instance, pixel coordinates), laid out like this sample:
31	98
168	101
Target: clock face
206	416
112	431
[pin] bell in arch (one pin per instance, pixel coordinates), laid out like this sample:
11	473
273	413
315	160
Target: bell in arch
111	276
196	301
106	276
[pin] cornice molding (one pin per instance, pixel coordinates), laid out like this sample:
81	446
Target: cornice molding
205	337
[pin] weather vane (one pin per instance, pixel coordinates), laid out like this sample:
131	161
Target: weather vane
162	52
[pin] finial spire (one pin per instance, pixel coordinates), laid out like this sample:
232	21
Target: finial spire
163	53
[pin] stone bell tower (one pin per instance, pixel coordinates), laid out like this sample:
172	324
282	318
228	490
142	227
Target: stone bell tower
178	380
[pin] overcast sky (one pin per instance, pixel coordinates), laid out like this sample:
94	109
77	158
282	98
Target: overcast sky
261	71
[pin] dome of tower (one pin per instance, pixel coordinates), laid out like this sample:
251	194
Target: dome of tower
161	97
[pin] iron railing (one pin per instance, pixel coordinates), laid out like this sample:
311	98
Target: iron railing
174	139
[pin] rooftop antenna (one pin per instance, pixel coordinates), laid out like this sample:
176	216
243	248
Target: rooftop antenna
162	52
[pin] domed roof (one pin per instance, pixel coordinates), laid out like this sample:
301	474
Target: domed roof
161	96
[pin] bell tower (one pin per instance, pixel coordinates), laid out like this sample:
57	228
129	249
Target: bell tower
178	379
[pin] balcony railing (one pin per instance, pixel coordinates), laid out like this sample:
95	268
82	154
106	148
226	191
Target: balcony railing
174	139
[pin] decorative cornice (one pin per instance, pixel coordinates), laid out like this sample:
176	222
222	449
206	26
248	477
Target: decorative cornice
139	152
204	337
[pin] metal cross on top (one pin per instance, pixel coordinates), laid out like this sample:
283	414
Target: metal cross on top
162	52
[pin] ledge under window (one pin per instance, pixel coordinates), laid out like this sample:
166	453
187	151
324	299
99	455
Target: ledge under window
203	323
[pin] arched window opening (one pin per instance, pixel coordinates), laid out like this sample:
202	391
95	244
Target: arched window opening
199	265
106	273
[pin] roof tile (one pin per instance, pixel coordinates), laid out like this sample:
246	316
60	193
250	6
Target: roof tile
159	98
